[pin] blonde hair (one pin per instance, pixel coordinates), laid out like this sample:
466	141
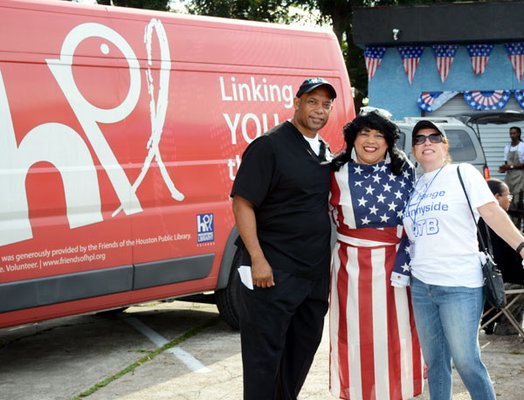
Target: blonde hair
447	159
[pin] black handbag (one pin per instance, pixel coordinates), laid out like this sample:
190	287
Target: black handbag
493	282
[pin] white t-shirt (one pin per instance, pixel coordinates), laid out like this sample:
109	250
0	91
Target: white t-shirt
314	143
519	148
444	247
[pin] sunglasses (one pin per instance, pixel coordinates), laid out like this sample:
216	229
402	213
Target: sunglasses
433	138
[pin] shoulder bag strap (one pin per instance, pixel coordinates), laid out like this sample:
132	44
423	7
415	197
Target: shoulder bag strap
483	246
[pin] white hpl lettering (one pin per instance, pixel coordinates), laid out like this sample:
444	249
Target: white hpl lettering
76	166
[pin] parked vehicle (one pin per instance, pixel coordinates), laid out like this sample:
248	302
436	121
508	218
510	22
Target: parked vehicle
120	135
474	119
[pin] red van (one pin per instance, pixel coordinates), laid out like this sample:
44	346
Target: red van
120	135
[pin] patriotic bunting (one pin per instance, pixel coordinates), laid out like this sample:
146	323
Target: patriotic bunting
516	56
479	56
373	56
482	100
444	55
519	96
410	57
432	101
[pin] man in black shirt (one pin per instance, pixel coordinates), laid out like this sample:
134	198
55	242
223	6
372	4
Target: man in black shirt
280	203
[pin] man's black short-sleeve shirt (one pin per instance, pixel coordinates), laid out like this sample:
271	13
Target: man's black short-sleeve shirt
289	187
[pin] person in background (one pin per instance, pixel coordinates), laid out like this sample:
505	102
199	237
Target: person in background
280	204
375	352
513	167
506	259
446	276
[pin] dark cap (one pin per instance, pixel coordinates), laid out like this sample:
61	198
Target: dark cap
312	83
426	124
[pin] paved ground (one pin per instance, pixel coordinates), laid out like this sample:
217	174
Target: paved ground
65	358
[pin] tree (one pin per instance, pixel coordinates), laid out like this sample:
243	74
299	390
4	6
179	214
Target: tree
161	5
254	10
340	14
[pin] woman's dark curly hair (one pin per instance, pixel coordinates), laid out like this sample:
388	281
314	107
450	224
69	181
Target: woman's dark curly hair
372	120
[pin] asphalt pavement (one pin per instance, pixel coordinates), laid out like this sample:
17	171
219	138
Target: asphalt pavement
175	350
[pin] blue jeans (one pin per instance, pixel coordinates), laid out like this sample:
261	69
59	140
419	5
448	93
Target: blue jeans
447	320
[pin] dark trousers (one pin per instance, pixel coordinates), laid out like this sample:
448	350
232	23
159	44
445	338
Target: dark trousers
281	329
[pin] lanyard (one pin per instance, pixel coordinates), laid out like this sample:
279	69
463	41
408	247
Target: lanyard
415	212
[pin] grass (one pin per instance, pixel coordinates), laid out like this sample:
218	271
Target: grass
146	358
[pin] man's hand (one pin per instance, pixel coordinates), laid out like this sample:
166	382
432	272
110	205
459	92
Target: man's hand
262	273
504	168
246	222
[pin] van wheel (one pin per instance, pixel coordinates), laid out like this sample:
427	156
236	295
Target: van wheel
227	299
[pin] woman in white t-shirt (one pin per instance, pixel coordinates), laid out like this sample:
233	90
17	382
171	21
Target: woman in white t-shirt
446	277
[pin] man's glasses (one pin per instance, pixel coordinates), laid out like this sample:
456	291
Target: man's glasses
433	138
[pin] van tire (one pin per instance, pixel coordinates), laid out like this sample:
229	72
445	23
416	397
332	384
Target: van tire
227	299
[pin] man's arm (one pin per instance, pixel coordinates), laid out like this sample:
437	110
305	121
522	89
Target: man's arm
508	167
504	167
246	223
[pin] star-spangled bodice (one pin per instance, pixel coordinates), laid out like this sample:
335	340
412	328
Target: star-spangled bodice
367	203
371	196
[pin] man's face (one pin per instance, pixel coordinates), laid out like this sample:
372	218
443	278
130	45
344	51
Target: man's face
312	111
514	135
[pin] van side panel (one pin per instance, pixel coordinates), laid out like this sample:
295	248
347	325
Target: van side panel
120	136
58	289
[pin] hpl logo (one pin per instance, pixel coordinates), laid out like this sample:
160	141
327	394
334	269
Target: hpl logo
205	228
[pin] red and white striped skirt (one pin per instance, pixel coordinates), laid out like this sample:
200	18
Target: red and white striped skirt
374	348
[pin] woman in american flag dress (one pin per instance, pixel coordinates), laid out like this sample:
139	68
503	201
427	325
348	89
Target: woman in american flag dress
374	348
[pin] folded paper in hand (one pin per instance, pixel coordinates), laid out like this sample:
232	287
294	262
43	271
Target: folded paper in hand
245	276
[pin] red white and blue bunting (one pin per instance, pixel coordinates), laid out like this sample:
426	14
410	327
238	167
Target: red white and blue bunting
444	55
478	100
482	100
479	56
519	96
516	56
410	57
432	101
373	57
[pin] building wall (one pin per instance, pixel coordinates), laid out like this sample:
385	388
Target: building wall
390	88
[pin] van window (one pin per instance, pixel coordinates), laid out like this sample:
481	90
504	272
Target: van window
401	142
461	148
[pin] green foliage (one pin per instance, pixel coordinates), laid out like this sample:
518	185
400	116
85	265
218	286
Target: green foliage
254	10
161	5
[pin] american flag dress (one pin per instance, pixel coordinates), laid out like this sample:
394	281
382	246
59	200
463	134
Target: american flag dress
374	348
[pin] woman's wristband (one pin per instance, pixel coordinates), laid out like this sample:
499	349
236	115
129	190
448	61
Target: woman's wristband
519	247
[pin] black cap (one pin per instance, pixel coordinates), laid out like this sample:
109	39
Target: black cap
426	124
312	83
